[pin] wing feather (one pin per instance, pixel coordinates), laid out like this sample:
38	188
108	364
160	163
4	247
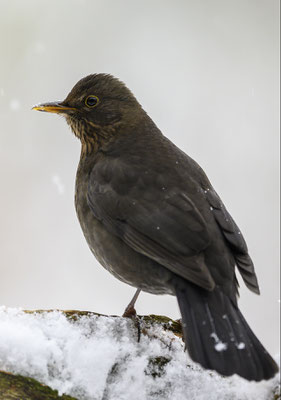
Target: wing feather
235	241
169	230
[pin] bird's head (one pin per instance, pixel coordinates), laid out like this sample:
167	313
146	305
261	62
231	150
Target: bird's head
96	108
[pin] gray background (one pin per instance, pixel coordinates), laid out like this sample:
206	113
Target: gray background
205	71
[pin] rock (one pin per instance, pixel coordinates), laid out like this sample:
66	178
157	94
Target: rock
95	357
15	387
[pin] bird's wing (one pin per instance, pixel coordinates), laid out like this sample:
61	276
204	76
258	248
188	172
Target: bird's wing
235	240
160	223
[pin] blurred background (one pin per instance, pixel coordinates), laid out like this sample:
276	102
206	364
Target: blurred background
207	72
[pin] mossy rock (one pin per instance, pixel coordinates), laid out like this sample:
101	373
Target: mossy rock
277	393
156	366
168	324
16	387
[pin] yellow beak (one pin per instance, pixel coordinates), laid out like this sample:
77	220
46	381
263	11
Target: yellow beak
57	108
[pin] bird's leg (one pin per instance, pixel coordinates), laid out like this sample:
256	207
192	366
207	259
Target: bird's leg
130	311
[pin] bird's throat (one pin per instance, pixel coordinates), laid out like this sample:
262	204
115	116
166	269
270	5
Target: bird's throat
91	135
90	140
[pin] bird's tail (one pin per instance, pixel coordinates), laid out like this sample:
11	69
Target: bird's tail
218	337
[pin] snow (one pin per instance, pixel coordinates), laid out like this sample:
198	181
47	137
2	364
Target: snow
99	357
219	345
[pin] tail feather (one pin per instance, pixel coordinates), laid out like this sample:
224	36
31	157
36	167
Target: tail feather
218	337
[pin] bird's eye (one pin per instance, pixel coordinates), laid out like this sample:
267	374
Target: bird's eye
91	101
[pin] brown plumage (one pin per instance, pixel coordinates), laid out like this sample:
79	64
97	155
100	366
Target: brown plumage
152	218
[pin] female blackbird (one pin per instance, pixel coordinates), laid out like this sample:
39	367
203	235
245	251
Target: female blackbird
152	218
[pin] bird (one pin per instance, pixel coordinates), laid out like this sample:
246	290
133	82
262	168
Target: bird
152	218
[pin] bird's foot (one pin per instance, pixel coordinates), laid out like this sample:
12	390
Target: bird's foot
130	312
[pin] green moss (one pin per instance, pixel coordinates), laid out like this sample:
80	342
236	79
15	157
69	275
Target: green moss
16	387
276	393
74	315
167	323
156	366
70	314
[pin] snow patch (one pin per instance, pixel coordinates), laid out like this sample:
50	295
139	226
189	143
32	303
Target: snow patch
93	358
219	345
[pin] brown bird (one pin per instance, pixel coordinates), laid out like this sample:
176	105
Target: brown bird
152	218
